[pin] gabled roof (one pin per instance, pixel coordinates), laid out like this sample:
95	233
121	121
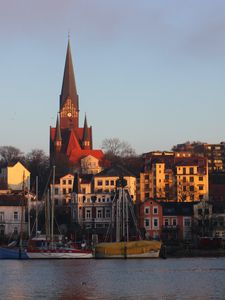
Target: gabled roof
69	85
115	171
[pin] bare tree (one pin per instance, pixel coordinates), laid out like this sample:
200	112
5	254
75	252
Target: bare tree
37	163
116	147
10	154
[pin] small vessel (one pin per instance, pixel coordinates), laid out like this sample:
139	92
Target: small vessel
133	249
51	245
122	213
42	248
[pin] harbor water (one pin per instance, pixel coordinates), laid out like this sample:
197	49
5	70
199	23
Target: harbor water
183	278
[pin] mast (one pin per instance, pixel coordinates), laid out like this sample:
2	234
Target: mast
21	221
36	207
53	206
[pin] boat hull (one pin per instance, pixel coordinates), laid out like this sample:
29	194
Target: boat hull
136	249
6	253
151	254
58	254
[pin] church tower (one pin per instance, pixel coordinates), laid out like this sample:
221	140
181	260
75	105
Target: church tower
69	100
67	139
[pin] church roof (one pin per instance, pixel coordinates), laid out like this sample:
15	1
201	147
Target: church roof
69	85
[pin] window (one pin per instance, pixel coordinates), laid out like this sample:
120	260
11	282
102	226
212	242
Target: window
64	181
112	182
166	222
166	177
201	187
70	190
147	223
108	213
88	213
146	177
83	190
155	210
147	210
99	213
155	223
184	179
64	191
107	182
200	197
69	181
187	222
16	216
200	178
191	170
191	188
184	188
2	217
191	179
56	191
174	222
184	170
99	182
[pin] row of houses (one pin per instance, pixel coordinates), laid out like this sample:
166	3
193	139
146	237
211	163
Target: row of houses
166	197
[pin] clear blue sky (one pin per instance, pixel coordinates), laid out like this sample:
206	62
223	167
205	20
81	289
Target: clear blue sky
149	72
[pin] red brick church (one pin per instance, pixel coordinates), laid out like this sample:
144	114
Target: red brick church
67	139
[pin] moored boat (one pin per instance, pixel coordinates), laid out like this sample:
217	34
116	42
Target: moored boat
133	249
40	247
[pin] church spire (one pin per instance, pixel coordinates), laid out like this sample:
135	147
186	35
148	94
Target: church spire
85	135
58	137
69	86
86	140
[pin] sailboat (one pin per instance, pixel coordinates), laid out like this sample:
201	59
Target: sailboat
122	247
51	245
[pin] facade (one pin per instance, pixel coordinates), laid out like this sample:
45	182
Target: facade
215	153
11	216
69	141
90	165
93	210
63	190
168	176
106	181
202	223
16	177
177	221
151	218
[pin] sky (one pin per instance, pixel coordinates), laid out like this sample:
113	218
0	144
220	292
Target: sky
151	73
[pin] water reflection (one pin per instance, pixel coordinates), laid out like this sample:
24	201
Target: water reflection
197	278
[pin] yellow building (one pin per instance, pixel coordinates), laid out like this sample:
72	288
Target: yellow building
16	176
192	182
169	177
105	181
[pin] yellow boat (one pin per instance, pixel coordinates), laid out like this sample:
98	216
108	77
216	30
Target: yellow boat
134	249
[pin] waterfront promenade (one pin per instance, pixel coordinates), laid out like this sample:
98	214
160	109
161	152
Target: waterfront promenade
184	278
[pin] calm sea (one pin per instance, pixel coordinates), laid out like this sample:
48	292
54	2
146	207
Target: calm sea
185	278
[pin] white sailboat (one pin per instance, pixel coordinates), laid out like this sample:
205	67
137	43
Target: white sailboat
50	245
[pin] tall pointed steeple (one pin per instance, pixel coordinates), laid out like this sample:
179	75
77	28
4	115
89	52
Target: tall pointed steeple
85	135
58	137
86	139
69	86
